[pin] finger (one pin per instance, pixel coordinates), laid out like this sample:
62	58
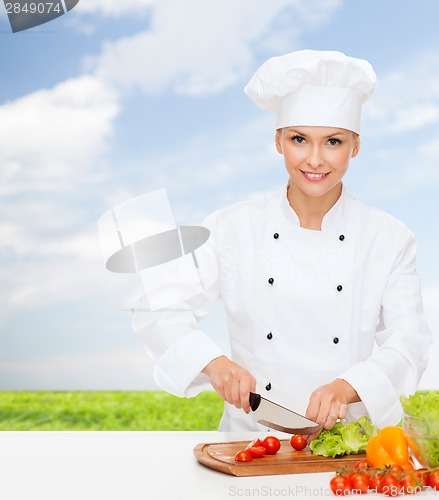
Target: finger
247	384
253	384
330	420
312	436
343	412
235	391
333	414
228	388
244	388
323	414
313	407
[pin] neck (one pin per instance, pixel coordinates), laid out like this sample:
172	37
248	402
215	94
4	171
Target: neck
311	209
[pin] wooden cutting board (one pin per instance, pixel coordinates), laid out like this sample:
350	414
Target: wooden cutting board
221	457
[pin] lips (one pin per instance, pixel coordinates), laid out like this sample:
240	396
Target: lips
313	176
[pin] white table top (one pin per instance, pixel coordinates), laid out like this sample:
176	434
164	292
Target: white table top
135	466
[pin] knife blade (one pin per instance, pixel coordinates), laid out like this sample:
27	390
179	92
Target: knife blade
280	418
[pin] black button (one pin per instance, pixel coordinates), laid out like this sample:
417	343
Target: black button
271	281
341	237
276	236
336	340
268	387
339	288
270	336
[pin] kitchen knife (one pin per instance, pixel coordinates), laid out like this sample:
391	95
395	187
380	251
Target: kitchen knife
281	418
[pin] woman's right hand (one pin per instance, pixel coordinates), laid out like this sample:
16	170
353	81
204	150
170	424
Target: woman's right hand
232	382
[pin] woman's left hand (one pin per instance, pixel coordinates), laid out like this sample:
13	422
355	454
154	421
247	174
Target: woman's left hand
330	402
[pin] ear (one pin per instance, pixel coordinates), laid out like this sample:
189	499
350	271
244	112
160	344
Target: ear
356	147
277	139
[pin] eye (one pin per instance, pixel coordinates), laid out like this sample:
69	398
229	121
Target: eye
334	142
298	138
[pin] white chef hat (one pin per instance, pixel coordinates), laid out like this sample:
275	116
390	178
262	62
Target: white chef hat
313	88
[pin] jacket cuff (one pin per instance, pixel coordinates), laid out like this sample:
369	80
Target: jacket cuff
191	355
367	379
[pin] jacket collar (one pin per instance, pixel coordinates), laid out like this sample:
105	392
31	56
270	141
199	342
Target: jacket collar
331	219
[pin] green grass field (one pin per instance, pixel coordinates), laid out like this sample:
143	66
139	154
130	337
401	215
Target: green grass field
107	411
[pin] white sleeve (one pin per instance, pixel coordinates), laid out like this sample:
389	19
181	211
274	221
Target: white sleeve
179	349
403	339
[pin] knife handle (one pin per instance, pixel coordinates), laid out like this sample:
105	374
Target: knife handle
255	401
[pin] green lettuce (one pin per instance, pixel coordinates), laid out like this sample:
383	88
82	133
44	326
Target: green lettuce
367	427
345	438
425	406
327	445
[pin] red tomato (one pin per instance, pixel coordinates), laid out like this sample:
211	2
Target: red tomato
409	484
243	456
271	445
298	442
340	485
375	483
254	444
395	470
421	476
256	451
433	479
360	483
363	464
390	485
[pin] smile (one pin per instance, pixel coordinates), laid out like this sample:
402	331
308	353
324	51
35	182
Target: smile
313	176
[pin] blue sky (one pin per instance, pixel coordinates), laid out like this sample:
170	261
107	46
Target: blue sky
115	99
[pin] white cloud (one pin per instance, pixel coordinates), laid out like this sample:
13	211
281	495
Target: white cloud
407	98
80	371
427	171
58	271
394	169
113	8
239	162
401	131
315	12
52	136
198	47
52	141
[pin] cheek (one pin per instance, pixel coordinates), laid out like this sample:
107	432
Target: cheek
293	156
340	159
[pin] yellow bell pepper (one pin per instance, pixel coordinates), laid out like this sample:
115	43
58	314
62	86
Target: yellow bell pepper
388	447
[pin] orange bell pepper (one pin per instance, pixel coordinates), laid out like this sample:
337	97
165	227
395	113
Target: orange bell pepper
388	447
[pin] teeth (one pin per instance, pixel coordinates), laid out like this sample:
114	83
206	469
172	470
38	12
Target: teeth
313	176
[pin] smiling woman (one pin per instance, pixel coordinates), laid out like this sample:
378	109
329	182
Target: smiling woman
316	159
303	330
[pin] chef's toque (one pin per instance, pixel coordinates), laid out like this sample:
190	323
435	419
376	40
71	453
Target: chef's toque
313	88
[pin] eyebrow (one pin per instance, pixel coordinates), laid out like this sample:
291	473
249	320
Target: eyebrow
298	132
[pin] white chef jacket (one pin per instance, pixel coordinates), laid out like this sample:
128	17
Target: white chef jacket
303	307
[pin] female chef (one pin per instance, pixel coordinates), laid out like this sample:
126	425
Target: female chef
320	291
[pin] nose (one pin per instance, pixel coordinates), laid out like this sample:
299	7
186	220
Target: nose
314	159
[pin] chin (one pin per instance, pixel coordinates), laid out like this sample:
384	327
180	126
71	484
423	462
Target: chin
315	191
